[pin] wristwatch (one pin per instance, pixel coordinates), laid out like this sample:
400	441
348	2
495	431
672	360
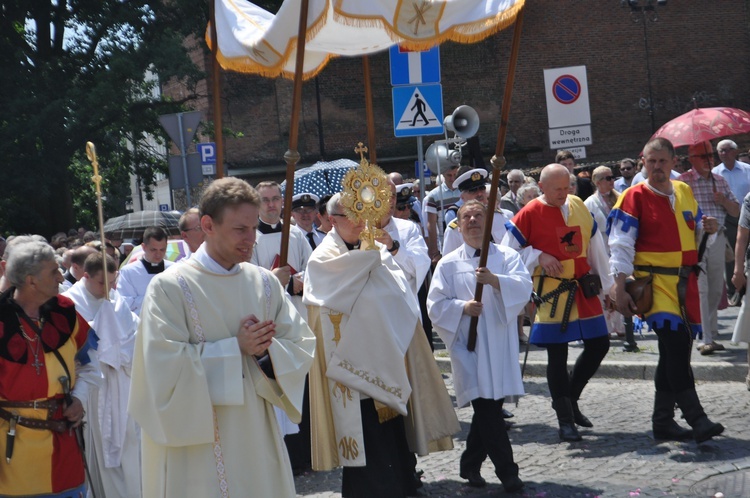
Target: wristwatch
394	247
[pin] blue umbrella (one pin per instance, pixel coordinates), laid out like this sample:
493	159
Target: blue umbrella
322	178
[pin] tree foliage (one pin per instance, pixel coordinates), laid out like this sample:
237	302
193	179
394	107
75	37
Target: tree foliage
73	71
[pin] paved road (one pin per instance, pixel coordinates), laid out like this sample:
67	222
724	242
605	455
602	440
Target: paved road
618	457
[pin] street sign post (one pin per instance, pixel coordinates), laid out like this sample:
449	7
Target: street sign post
181	128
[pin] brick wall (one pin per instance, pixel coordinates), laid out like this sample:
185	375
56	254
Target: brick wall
696	49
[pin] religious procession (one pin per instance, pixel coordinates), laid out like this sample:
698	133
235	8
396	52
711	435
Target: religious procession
341	331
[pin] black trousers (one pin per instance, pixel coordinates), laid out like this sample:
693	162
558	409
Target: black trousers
390	466
673	371
299	445
488	437
562	386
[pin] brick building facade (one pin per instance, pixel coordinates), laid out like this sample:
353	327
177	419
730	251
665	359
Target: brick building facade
696	49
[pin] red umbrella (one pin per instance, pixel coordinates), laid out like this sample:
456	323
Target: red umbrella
700	125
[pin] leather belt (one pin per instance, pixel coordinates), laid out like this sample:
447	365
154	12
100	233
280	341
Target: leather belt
682	273
44	404
35	423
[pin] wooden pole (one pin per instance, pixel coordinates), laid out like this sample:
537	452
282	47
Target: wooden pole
292	155
498	162
369	111
216	84
97	179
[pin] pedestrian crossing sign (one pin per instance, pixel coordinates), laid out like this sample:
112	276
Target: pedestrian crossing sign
418	110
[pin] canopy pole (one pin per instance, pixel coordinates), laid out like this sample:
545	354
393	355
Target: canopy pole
216	84
369	111
292	155
498	162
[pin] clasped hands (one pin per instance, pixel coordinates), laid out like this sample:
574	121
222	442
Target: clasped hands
254	337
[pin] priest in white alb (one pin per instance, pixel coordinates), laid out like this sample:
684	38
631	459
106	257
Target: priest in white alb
218	347
489	373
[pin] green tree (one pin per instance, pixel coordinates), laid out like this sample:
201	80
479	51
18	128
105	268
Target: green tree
73	71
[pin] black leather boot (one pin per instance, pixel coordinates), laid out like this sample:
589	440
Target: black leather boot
663	422
564	409
578	417
703	428
575	394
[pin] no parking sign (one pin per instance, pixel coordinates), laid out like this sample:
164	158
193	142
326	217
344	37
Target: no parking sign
567	96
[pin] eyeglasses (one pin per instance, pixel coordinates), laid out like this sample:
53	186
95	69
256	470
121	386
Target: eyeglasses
626	169
608	178
475	189
401	207
194	228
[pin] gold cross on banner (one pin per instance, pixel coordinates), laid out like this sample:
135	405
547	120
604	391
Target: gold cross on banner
419	13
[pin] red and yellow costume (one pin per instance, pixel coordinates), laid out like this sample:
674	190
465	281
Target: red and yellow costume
543	227
664	237
43	462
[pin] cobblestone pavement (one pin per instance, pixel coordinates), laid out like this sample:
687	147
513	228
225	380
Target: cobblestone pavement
617	458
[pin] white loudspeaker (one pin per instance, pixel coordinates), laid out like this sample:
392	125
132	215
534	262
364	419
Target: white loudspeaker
446	156
464	121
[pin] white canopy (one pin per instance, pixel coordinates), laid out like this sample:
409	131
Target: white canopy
253	40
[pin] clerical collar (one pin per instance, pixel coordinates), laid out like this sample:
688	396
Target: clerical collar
152	268
352	247
210	264
266	228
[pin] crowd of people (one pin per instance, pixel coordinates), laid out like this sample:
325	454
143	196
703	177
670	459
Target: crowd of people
230	371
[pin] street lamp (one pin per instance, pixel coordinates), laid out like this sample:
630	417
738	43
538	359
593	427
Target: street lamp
647	11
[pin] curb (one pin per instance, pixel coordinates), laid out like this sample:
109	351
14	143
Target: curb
706	372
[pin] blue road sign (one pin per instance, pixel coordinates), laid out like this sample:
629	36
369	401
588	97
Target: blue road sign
163	207
426	170
412	68
207	152
417	110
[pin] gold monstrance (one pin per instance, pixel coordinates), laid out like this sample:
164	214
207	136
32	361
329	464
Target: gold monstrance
366	197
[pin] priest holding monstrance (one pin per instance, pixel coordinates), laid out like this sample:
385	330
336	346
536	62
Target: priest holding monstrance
374	376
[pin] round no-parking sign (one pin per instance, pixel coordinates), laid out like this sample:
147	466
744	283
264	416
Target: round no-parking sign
566	89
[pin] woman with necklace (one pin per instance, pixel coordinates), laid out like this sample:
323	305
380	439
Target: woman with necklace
40	334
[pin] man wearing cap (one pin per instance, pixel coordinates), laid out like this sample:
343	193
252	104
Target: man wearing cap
737	175
472	185
441	198
304	209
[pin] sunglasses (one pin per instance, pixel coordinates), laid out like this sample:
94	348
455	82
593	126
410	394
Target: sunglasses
401	207
608	178
475	189
626	169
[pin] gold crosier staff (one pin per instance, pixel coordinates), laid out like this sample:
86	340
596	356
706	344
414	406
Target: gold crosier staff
97	179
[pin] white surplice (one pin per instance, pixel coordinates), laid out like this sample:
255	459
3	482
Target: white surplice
206	410
112	437
133	282
491	371
412	255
